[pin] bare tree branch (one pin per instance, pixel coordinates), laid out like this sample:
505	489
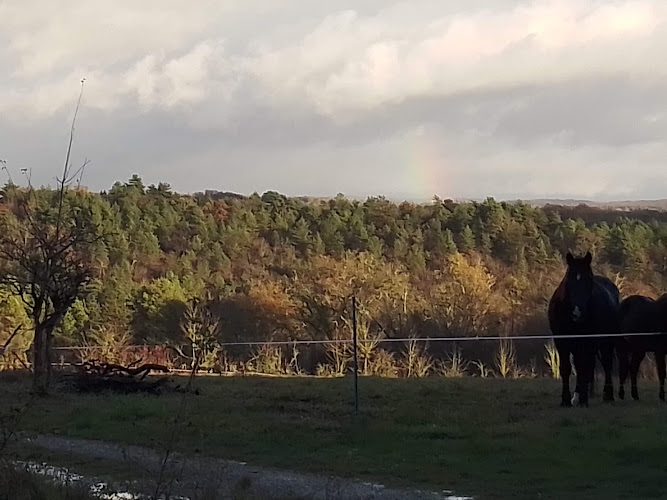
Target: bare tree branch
3	348
45	247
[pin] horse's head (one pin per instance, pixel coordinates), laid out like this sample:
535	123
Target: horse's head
579	282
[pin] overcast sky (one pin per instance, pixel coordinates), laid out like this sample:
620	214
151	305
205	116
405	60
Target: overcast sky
464	98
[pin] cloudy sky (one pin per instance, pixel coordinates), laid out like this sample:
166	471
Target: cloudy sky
464	98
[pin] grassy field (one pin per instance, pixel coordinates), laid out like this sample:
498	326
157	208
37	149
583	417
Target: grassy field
490	438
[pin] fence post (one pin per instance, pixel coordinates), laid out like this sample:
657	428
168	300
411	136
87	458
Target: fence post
356	361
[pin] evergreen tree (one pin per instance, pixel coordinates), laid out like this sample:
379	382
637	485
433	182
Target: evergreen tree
466	240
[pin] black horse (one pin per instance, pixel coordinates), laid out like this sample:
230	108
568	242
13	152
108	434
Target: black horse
640	314
584	304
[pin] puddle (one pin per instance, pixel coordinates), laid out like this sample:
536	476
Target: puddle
228	476
98	489
105	491
451	496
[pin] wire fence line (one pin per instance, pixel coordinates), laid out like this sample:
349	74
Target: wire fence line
389	340
182	367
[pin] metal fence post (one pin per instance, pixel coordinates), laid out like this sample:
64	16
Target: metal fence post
356	361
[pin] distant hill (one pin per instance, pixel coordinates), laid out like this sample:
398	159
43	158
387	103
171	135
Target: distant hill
625	205
621	205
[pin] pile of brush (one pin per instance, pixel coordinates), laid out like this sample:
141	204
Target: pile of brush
95	376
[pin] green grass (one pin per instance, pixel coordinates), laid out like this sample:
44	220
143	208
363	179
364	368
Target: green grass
485	437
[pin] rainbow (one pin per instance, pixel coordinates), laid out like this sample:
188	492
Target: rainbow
426	165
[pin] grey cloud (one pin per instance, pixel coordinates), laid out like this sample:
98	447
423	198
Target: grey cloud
496	129
612	112
483	133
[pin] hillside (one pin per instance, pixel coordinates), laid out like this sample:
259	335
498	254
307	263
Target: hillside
283	268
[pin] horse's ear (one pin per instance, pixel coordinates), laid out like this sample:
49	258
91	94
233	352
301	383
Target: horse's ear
588	258
569	258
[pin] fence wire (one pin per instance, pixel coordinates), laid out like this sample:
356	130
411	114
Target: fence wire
392	339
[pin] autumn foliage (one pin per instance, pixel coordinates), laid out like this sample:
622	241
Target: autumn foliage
282	269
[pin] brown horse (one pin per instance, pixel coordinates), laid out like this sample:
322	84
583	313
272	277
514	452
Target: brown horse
584	304
640	314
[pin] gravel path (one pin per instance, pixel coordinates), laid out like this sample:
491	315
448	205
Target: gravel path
226	479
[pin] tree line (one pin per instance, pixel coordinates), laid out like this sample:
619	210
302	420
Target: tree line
272	267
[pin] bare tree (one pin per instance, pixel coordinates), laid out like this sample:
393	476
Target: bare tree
45	244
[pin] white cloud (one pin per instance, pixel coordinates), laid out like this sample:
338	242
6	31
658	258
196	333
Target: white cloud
168	53
156	81
162	82
351	62
48	36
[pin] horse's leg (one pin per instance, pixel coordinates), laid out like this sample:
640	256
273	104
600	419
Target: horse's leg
591	378
565	368
607	358
635	362
660	364
623	367
584	356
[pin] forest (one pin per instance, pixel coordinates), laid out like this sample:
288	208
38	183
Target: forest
187	272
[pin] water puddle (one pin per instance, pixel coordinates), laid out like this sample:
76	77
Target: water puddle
450	496
103	490
98	489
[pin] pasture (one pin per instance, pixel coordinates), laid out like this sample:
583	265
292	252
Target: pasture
490	438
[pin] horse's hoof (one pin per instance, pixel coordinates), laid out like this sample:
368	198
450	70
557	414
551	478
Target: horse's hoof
621	394
565	404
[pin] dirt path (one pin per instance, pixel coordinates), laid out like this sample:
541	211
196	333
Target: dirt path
226	479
